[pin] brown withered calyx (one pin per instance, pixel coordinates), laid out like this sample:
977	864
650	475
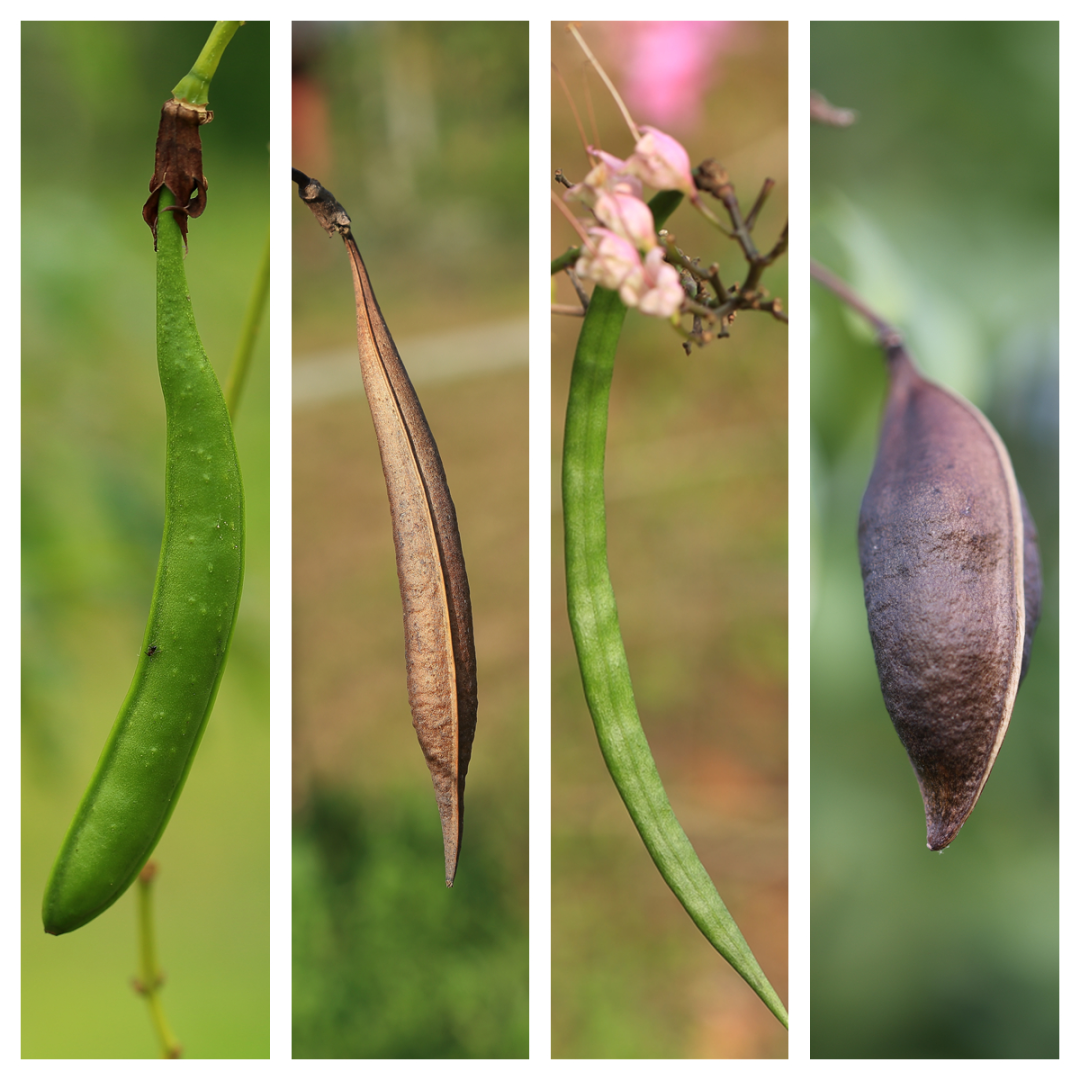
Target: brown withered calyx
952	583
178	164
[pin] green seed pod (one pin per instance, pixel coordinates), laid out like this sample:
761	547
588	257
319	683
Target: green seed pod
149	752
951	576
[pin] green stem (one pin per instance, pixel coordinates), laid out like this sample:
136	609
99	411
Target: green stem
245	346
567	258
194	87
594	620
150	978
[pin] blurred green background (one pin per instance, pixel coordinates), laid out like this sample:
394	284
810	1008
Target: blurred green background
421	130
92	512
696	483
940	206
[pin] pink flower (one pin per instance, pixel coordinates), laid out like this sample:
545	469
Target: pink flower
662	162
669	66
611	261
613	168
608	174
660	292
627	216
651	286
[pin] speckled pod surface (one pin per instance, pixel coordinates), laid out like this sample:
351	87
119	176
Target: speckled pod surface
952	583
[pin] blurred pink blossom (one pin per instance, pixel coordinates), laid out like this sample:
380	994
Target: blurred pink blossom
613	262
662	162
669	66
627	216
610	260
608	174
660	292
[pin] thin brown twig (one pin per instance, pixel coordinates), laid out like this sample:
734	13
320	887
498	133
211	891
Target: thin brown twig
751	218
583	296
887	334
711	176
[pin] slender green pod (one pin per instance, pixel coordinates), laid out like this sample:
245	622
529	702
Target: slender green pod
594	622
148	754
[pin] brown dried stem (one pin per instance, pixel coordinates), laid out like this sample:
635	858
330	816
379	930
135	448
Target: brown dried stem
888	336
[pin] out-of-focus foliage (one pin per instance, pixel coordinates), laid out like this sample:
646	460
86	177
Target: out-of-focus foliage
696	486
93	441
421	130
940	207
388	964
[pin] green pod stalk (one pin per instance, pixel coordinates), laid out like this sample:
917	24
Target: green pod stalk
149	752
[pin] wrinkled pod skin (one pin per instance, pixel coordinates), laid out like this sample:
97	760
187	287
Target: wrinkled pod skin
952	581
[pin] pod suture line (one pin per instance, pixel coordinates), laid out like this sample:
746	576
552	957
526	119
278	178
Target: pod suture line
951	578
439	652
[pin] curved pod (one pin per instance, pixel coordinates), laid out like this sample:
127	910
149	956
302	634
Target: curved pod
440	656
952	585
436	607
150	749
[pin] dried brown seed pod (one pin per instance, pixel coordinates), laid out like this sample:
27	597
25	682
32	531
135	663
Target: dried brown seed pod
440	656
953	586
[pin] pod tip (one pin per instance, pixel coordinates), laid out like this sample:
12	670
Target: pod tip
941	833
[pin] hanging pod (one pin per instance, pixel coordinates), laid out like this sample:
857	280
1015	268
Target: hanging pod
440	657
952	581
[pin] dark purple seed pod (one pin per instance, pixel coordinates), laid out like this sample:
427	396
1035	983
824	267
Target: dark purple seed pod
952	581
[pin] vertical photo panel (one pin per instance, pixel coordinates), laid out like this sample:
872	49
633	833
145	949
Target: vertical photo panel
669	382
934	454
145	383
410	540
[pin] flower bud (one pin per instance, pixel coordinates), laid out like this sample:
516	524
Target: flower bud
608	174
661	292
628	217
662	162
610	260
